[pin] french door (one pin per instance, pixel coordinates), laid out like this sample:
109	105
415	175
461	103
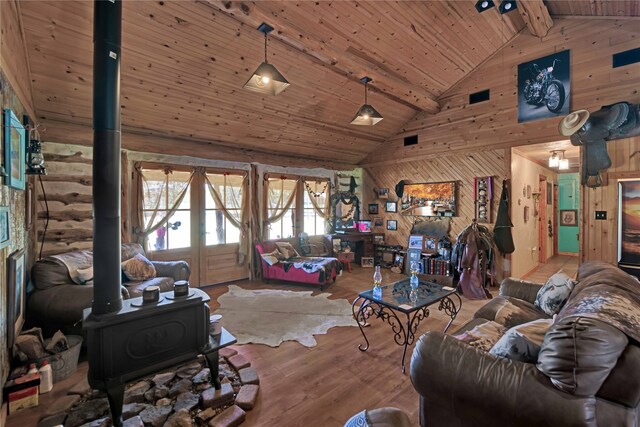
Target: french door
198	232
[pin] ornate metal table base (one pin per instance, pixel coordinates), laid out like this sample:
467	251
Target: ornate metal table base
404	332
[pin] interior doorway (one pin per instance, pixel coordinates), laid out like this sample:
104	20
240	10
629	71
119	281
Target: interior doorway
544	185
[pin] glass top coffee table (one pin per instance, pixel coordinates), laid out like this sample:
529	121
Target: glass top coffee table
398	299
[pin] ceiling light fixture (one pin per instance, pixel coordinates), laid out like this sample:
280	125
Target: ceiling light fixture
266	79
554	160
563	164
507	6
366	115
483	5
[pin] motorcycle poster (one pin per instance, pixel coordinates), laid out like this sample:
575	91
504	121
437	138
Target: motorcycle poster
544	87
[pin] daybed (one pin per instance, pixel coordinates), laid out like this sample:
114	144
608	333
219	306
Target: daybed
317	271
587	371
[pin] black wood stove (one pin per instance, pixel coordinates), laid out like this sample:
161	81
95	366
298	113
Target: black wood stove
130	339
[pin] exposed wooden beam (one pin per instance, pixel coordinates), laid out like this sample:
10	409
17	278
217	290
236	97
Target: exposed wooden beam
349	65
536	15
145	141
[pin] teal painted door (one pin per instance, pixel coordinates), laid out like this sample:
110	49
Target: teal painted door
568	200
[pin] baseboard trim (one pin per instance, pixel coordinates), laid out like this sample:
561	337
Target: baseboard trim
569	253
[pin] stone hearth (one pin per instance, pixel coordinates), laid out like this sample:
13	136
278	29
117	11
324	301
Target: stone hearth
180	397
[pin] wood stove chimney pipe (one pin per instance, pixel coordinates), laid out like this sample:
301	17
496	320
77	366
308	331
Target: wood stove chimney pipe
107	29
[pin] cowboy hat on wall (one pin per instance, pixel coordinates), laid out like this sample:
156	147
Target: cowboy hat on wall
544	87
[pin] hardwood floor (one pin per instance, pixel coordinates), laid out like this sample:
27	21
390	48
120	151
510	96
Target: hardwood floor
566	263
323	385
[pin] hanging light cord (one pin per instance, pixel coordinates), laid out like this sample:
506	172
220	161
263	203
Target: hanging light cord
365	92
46	221
265	47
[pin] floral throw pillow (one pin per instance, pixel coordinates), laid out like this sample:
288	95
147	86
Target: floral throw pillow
552	296
138	268
522	342
483	336
286	249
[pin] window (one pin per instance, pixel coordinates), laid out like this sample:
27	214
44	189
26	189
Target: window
219	230
279	192
162	189
315	192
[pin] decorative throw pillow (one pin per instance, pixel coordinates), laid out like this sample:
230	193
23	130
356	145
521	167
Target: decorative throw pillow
85	275
271	258
138	268
286	249
483	336
552	296
522	342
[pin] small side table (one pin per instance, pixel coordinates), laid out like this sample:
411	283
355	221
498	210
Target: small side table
210	351
346	258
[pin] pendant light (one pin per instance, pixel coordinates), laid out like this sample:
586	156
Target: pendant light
266	79
554	160
366	115
563	163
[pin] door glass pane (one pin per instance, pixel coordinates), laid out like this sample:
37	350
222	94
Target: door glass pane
179	230
214	223
233	233
177	182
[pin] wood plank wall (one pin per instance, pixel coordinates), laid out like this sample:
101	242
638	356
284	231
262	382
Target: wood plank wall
600	238
461	127
459	168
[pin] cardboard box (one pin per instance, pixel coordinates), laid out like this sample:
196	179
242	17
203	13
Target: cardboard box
22	392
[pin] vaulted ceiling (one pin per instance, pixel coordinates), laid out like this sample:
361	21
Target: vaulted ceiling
184	64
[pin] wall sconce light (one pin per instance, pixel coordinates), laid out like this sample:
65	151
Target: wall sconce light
483	5
35	158
266	79
507	6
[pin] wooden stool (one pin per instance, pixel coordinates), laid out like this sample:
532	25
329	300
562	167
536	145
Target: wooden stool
345	258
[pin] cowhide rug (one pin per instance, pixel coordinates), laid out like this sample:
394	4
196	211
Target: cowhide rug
270	316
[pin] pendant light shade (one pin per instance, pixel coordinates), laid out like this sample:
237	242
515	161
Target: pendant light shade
563	163
554	160
266	79
366	115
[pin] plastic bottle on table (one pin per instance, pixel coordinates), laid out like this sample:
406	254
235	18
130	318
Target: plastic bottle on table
46	378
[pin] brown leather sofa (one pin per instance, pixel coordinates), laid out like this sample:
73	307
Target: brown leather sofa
587	373
57	301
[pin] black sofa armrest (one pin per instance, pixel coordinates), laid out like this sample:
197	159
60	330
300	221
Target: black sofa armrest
473	385
520	289
178	270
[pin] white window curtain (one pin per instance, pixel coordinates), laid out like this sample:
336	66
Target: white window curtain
236	209
281	193
153	198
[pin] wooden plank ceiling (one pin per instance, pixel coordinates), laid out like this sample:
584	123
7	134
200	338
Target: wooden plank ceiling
616	8
184	64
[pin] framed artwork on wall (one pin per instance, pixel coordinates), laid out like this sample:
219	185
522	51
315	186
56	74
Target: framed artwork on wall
430	244
5	234
383	193
391	207
14	150
16	290
415	242
378	222
544	87
392	225
569	217
373	208
549	193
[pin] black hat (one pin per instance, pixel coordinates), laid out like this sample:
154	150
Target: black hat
400	189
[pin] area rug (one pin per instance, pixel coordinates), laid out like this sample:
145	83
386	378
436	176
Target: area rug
271	317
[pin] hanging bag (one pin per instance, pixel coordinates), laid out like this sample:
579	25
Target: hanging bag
502	230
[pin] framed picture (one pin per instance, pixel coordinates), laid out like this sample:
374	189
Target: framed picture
549	193
14	150
415	242
378	222
391	207
544	87
629	222
5	236
399	261
366	262
430	244
392	224
28	214
378	239
414	254
569	217
16	271
373	208
429	199
383	193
